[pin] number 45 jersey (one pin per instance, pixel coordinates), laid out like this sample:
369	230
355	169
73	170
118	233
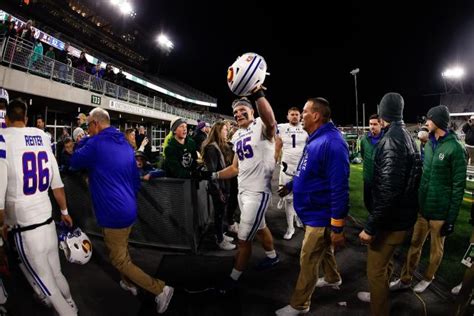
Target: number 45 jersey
256	156
27	169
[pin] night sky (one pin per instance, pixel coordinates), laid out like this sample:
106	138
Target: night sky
310	49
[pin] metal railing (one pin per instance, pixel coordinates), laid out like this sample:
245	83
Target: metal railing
20	53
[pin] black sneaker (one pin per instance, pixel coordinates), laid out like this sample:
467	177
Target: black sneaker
227	285
267	263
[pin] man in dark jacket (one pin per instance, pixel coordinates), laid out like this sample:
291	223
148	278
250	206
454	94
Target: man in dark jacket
321	198
180	154
397	171
114	182
468	130
440	197
367	148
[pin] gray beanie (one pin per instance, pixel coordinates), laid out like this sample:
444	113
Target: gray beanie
176	122
391	107
76	133
439	115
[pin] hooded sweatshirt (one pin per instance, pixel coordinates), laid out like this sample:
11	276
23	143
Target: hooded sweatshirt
113	176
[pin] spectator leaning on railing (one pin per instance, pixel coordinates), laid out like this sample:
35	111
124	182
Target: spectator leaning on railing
180	153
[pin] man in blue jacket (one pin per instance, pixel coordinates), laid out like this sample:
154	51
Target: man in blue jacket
114	182
321	197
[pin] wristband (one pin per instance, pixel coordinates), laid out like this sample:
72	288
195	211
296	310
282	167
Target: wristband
64	212
215	175
257	95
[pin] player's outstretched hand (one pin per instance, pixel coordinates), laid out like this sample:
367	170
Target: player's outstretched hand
283	191
67	220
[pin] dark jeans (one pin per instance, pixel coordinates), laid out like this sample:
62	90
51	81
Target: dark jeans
368	197
219	211
233	202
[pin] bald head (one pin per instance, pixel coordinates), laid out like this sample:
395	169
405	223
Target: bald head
97	120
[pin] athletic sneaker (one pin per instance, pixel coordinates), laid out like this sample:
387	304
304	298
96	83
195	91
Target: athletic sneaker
323	283
228	238
288	310
268	262
227	285
364	296
456	289
225	245
131	288
234	228
163	299
71	303
398	285
289	234
421	286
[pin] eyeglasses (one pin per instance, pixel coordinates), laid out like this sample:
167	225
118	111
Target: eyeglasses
89	123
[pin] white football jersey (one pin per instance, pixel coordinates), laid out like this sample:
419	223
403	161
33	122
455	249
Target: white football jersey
256	156
3	124
27	169
294	139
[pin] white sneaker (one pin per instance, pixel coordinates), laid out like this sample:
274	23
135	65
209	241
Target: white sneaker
132	288
71	303
398	285
323	283
225	245
298	221
364	296
228	238
234	228
288	310
456	289
163	299
289	234
421	286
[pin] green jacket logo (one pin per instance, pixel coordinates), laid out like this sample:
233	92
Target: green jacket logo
441	156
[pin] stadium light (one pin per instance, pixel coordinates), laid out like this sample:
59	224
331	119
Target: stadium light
455	73
354	72
126	8
164	42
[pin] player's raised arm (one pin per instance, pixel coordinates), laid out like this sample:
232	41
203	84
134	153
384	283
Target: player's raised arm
265	112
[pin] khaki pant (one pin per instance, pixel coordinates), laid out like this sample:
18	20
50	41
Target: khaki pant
116	241
465	295
316	252
422	229
379	269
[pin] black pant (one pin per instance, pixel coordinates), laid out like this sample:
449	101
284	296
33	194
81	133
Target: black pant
233	202
368	197
219	211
